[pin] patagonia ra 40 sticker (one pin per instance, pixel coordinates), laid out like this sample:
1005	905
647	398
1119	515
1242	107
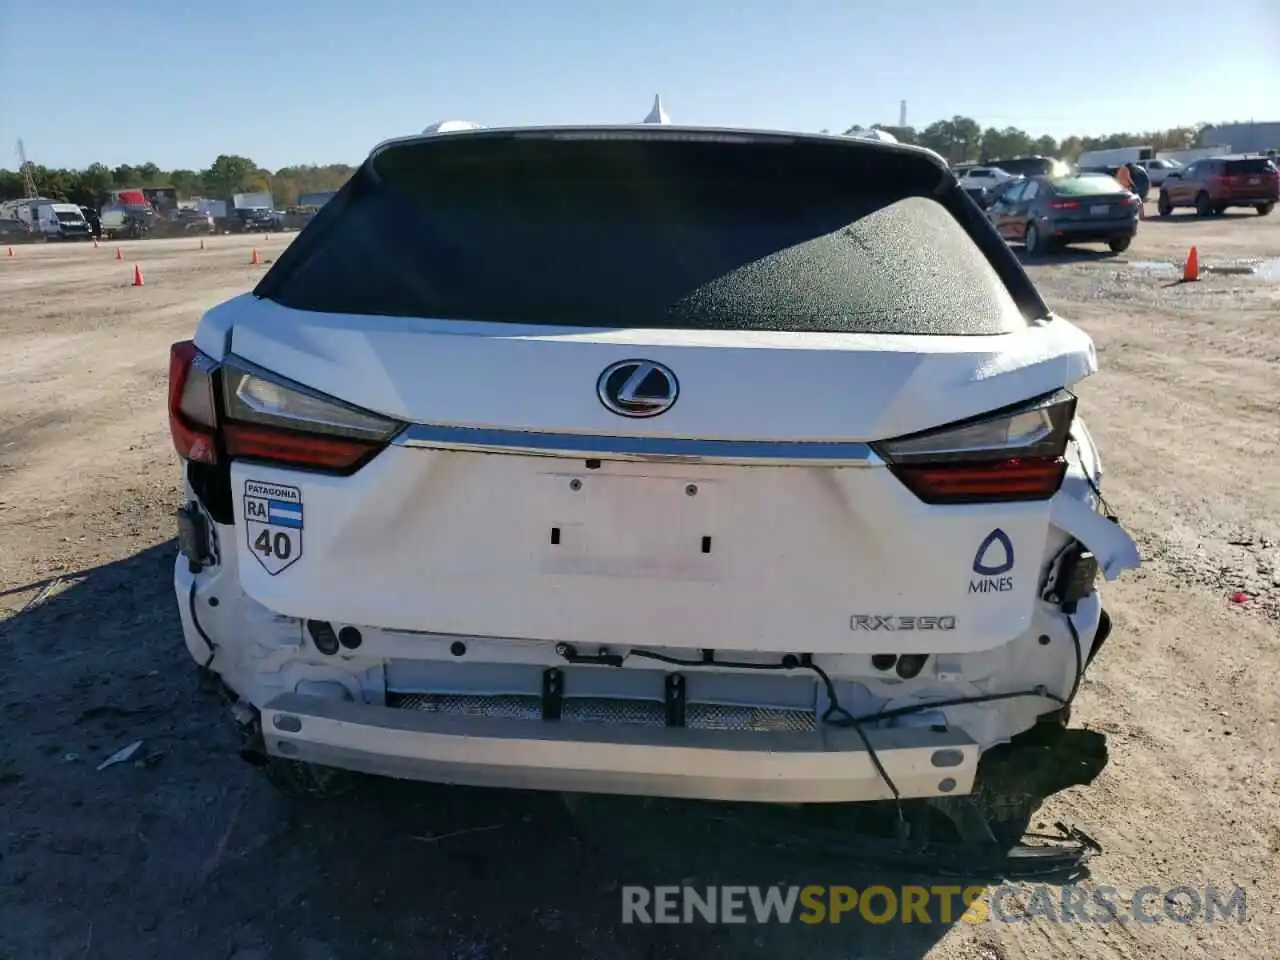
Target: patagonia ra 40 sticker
273	524
993	564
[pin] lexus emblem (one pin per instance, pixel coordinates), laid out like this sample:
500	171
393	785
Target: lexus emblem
637	388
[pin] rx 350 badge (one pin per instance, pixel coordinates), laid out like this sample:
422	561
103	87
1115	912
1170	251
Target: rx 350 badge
273	524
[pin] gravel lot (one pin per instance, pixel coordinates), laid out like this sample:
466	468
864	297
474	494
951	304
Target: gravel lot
188	849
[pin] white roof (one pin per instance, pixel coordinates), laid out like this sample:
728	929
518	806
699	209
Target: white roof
657	114
884	136
452	126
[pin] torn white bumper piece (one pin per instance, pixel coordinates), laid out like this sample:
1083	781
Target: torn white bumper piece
827	765
1114	549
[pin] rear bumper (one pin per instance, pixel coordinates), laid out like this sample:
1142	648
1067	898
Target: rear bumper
1243	201
827	765
1086	230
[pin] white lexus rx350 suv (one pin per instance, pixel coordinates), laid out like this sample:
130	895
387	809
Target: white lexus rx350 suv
636	459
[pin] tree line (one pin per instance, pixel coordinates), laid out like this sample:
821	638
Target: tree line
959	139
963	140
228	174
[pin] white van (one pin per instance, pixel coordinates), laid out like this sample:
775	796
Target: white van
61	221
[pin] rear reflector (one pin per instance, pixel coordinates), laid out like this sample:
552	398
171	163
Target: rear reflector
1008	455
192	409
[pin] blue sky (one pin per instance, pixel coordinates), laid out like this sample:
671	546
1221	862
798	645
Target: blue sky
288	81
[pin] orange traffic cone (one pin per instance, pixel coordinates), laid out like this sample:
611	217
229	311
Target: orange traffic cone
137	275
119	254
11	251
1191	270
253	260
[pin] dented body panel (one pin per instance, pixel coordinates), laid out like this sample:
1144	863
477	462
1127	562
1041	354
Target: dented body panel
694	561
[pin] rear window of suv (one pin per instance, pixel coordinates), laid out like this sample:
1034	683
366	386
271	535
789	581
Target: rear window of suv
657	232
1237	168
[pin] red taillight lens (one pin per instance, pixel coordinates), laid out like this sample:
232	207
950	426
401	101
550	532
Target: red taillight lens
308	450
266	417
192	409
1063	204
1012	479
234	410
1009	455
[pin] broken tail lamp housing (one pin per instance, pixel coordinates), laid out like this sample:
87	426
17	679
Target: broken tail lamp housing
1009	455
235	410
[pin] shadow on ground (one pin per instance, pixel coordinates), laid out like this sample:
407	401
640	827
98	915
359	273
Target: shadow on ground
186	849
1187	215
1067	256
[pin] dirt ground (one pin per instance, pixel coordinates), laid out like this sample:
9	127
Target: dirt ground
186	848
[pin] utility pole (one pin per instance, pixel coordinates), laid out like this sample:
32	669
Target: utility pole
28	173
902	113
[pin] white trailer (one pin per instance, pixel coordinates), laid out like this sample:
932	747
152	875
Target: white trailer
252	201
23	211
1185	157
1115	157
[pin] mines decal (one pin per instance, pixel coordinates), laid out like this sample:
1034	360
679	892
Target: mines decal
273	524
993	564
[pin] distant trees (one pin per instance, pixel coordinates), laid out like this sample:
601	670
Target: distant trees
227	174
961	139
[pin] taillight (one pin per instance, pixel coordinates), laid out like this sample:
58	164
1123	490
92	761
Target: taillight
1063	204
234	410
193	413
1008	455
266	417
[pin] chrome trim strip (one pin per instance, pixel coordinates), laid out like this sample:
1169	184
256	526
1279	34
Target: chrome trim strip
795	453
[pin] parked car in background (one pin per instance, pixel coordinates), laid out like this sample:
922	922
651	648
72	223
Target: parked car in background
984	177
191	221
1158	170
1213	185
1032	166
132	221
1046	213
254	220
